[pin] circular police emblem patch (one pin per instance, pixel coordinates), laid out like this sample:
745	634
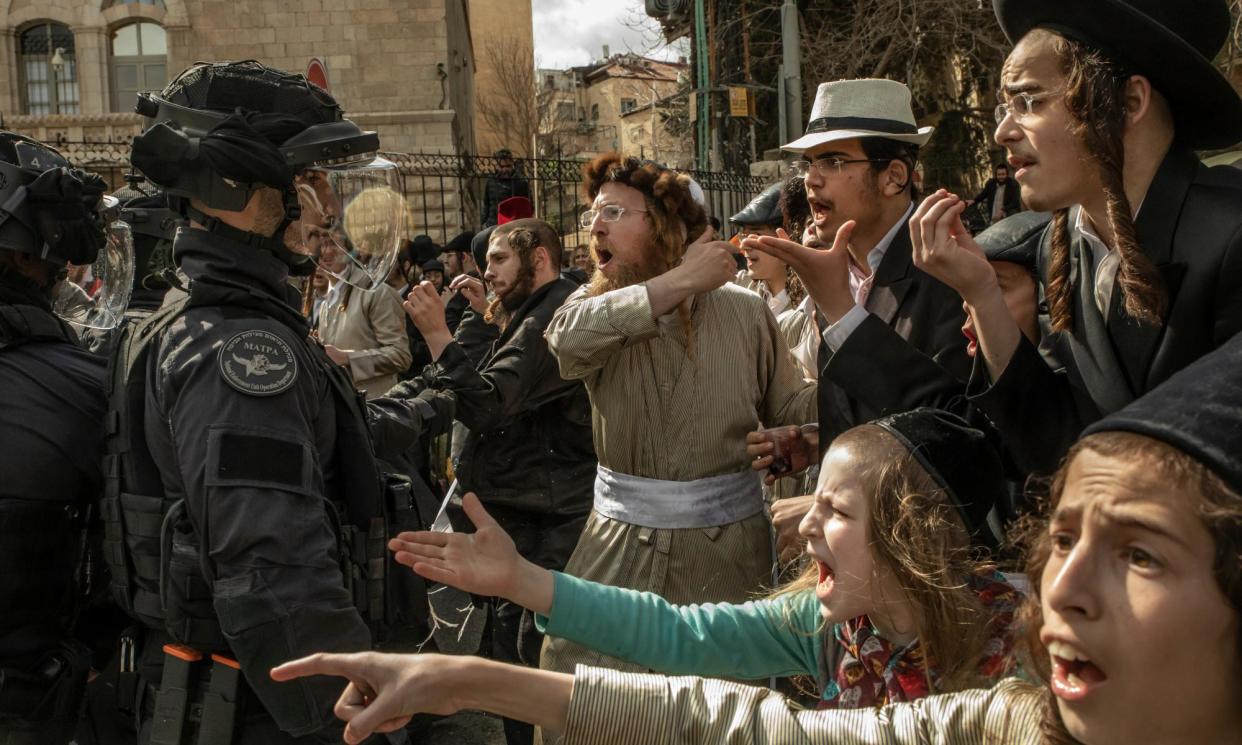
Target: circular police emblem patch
259	363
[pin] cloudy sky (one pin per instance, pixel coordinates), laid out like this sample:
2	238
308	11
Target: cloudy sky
573	32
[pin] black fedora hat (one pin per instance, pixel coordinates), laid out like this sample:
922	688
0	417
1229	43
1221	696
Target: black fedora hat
1016	239
1170	42
764	209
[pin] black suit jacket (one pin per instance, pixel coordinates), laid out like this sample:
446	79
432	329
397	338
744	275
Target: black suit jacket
1190	226
909	352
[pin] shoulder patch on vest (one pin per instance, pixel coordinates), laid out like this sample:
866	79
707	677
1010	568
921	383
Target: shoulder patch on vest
258	363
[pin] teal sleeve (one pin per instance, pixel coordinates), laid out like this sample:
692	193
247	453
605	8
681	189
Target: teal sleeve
779	637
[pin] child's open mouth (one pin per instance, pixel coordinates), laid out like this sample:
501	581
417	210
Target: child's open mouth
826	577
1073	674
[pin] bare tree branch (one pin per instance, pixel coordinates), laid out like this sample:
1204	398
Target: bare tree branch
510	107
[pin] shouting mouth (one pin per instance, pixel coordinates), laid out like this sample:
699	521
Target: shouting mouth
827	579
602	257
820	212
1074	675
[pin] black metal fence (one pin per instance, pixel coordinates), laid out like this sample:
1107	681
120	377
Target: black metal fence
445	191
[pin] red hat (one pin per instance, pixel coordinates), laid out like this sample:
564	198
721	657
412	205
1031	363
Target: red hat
514	208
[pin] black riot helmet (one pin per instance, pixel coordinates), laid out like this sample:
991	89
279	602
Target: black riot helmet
59	214
221	132
48	209
154	225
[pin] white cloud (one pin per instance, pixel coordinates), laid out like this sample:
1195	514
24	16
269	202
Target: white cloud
573	32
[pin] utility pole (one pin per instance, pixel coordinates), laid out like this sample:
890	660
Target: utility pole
703	83
791	73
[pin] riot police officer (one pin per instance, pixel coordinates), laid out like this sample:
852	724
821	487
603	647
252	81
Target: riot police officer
246	519
51	432
152	225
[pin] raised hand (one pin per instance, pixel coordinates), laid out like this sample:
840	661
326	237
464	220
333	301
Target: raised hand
485	562
707	264
384	691
825	274
473	290
425	308
944	248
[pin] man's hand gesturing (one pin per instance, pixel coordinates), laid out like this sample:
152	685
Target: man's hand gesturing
473	290
705	266
426	310
825	274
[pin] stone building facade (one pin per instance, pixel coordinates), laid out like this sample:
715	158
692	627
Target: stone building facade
626	102
70	69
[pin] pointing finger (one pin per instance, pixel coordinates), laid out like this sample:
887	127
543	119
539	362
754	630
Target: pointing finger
315	664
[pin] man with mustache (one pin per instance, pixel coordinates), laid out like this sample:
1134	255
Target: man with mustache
877	318
680	364
528	453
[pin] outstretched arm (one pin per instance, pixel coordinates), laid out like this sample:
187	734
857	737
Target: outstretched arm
750	640
386	690
485	562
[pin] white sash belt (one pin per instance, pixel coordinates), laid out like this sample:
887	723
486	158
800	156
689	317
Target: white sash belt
652	503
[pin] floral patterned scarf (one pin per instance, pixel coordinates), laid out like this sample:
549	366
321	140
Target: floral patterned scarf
872	671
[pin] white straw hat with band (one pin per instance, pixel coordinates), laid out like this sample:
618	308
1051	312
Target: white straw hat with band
846	109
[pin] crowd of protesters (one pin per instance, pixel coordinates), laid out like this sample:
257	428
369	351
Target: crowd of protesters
860	474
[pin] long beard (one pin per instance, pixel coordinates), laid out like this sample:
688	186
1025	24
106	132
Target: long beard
626	274
503	306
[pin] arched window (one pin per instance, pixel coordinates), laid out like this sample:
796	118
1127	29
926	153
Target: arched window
139	62
48	69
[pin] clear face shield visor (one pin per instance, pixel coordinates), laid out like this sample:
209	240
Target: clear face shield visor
352	221
95	295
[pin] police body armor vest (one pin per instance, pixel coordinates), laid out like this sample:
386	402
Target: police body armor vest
28	529
41	705
150	545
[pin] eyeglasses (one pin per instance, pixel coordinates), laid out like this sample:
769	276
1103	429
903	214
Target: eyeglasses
607	213
826	167
1020	106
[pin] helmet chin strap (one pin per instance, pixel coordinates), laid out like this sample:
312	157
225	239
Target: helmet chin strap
299	264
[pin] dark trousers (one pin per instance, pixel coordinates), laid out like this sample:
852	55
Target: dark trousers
510	636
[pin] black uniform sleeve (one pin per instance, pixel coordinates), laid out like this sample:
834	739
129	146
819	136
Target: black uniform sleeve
251	466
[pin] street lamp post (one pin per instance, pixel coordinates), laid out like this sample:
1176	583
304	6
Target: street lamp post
58	64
